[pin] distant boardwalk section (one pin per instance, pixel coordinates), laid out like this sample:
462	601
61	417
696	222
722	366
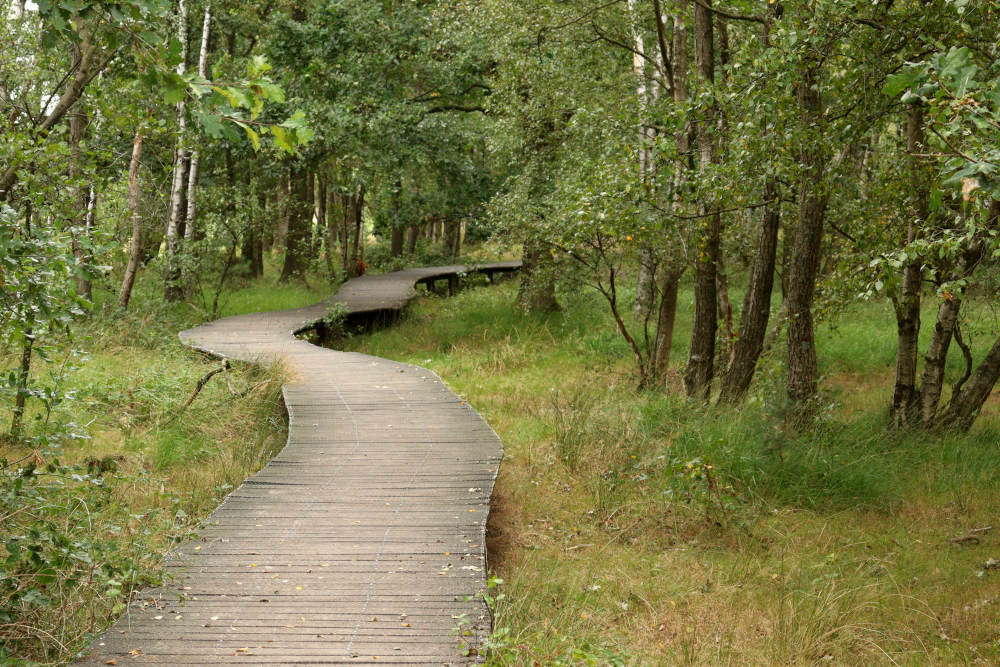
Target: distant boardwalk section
362	542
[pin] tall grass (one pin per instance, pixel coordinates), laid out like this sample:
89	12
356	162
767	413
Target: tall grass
646	528
122	472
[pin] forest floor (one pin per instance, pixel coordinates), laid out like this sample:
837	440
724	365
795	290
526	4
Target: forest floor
631	527
120	471
640	528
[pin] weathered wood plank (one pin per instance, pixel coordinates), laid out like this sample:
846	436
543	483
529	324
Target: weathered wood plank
361	542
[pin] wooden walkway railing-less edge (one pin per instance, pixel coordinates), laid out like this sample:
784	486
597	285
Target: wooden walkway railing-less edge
362	541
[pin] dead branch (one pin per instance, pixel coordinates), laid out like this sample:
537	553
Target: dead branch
197	389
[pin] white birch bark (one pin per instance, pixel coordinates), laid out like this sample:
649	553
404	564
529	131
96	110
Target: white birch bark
180	153
196	154
646	94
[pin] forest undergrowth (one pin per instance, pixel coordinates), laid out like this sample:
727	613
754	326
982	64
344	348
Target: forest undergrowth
642	528
116	470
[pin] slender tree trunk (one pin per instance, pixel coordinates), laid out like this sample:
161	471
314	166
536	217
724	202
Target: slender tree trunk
932	380
135	213
300	207
355	222
322	224
701	357
537	291
645	289
283	198
174	233
806	250
333	225
946	328
23	375
904	411
80	231
725	305
665	321
451	233
191	231
412	232
397	231
396	242
343	232
966	404
756	304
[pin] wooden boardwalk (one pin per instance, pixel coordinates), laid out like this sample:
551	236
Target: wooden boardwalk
361	542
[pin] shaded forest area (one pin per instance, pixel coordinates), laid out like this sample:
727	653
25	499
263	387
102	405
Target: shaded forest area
732	182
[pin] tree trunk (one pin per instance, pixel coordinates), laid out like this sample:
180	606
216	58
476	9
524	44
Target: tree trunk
79	231
701	357
645	285
645	288
756	304
665	321
396	242
23	375
412	232
355	226
537	292
725	305
806	249
904	411
397	232
451	233
966	405
283	199
191	231
299	209
322	224
175	221
134	198
343	232
932	380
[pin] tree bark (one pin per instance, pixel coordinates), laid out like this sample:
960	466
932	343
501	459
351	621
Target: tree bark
537	293
645	289
756	304
806	249
134	198
452	232
665	321
174	232
322	234
355	227
79	231
966	405
191	232
23	375
904	411
299	211
701	357
412	232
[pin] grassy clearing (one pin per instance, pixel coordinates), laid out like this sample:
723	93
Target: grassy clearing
90	506
642	528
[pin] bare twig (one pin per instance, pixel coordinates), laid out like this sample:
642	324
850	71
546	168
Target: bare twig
197	390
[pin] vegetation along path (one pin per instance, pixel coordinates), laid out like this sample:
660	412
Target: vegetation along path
362	542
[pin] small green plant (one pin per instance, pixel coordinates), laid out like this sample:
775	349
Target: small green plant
335	321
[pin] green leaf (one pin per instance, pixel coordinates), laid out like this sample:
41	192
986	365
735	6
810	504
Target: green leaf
897	83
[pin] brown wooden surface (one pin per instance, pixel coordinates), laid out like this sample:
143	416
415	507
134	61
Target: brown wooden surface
361	542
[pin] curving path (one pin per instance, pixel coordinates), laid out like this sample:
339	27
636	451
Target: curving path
362	541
